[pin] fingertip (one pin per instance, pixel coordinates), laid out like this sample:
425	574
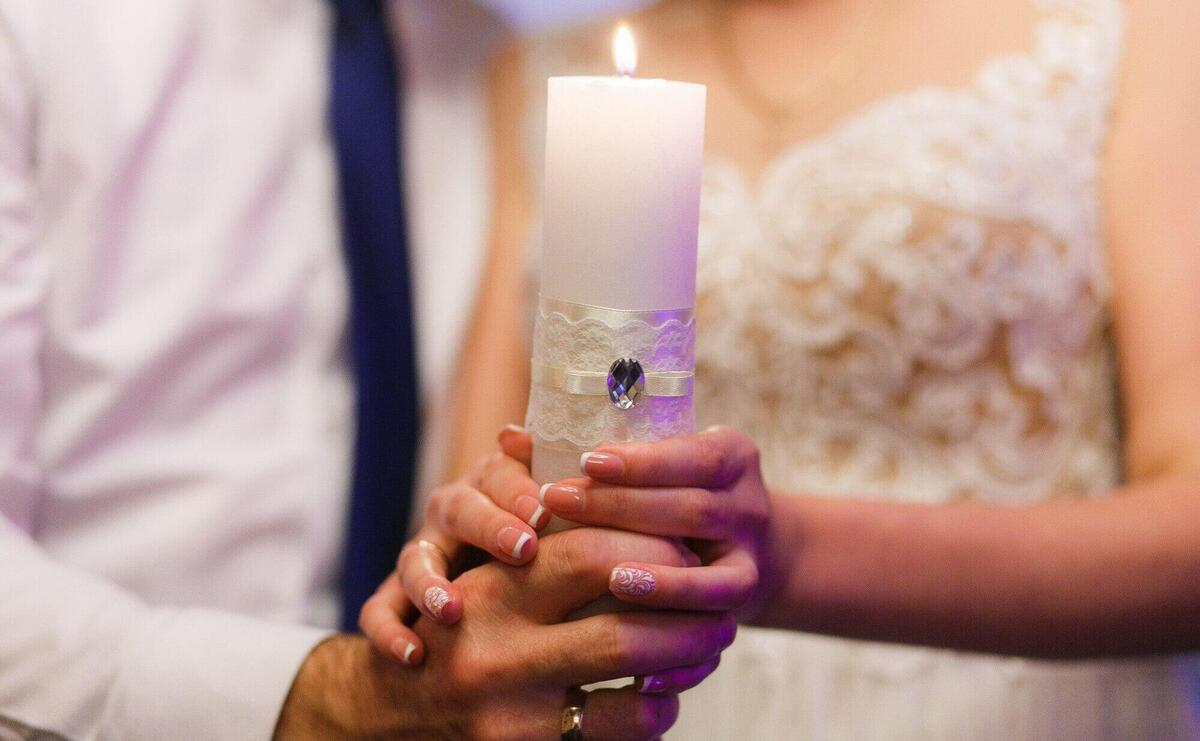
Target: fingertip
516	443
563	499
515	544
629	580
532	511
599	465
452	612
439	603
408	650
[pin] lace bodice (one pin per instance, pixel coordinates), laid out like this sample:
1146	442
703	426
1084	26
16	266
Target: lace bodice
914	305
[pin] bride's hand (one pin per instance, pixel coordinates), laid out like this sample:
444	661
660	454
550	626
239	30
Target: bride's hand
705	488
495	509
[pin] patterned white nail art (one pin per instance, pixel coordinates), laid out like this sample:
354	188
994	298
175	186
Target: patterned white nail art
631	582
436	599
520	546
537	515
408	651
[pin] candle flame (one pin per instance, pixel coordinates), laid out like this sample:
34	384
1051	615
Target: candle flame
624	51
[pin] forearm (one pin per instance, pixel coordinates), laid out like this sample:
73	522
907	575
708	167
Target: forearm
493	377
1066	579
82	658
493	381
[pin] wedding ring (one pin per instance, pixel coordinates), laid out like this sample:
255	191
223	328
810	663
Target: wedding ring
572	723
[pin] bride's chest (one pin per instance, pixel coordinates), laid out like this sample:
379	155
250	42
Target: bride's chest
923	287
932	268
934	219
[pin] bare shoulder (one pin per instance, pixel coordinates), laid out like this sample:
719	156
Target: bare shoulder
1160	47
1157	107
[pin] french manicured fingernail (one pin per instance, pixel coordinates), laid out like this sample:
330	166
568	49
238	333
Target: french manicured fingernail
514	428
712	428
631	582
536	517
403	650
542	492
563	499
435	600
601	464
651	684
534	507
513	541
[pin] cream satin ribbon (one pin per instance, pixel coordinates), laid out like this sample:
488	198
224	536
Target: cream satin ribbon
588	383
595	383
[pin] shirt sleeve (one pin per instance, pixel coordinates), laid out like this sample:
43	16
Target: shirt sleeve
79	657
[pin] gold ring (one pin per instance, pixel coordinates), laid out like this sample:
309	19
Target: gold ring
572	723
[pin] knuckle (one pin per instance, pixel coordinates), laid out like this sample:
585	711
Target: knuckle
717	462
616	501
573	551
492	464
708	514
652	549
486	585
457	504
617	650
708	460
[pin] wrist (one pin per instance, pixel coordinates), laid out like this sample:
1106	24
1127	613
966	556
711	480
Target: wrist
776	563
344	690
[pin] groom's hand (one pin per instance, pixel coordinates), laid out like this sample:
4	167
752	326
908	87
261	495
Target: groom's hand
495	509
504	671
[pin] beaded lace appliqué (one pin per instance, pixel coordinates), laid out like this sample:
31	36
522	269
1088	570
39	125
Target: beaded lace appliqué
914	305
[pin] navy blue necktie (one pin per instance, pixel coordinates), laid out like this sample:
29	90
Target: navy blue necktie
364	110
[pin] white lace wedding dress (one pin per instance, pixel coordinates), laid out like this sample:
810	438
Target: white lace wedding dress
914	306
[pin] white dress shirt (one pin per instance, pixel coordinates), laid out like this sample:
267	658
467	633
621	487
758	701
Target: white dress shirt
175	405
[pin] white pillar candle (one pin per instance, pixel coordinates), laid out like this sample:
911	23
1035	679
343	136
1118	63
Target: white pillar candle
620	211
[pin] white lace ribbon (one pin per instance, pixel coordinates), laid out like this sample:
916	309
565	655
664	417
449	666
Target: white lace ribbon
574	346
